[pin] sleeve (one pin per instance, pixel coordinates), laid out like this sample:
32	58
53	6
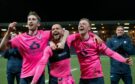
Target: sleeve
6	53
42	63
2	53
71	38
49	34
110	53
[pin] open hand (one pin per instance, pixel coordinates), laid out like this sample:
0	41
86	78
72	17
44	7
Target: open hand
129	61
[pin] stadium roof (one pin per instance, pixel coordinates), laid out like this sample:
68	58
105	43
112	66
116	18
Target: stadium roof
67	10
65	23
70	24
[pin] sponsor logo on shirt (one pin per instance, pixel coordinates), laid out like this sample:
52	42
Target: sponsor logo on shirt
34	45
62	54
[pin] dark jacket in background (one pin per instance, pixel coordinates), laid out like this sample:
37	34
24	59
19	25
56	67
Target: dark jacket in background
14	62
124	46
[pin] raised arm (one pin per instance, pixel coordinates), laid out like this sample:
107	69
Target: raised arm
41	65
3	44
63	39
107	51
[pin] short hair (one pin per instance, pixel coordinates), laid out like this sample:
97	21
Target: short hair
86	19
120	26
35	14
57	24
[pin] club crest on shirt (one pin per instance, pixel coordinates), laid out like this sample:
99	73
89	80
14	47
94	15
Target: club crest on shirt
125	42
39	36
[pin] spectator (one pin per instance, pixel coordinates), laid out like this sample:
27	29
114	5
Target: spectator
121	43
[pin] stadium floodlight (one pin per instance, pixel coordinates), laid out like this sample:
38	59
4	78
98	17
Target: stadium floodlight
126	23
93	28
3	29
92	24
95	31
126	27
125	30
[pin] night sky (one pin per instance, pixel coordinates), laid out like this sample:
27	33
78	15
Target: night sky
67	10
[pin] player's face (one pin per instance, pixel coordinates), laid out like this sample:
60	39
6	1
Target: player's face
119	31
32	22
83	27
57	31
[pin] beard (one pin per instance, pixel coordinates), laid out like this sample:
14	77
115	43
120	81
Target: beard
56	37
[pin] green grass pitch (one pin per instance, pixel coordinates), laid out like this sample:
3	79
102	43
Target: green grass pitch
75	70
